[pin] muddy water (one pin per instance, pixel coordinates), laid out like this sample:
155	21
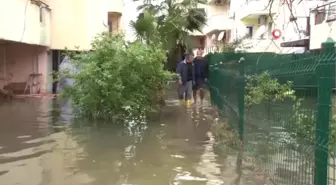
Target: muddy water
40	145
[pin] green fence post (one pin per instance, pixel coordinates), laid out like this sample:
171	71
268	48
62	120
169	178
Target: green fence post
241	98
325	75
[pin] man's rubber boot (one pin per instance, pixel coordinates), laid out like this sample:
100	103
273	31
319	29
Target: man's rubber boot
188	103
181	102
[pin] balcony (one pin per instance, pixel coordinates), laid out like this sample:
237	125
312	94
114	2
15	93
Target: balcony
215	23
31	26
218	22
253	9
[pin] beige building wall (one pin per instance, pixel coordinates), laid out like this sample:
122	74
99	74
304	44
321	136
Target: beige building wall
69	24
20	21
76	23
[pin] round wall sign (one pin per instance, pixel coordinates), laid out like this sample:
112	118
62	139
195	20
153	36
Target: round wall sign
276	33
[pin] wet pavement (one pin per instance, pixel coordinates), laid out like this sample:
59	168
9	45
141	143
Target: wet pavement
41	145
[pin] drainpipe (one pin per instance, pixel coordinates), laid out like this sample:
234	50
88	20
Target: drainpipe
4	64
37	60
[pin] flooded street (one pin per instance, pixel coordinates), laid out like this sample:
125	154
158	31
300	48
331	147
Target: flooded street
40	145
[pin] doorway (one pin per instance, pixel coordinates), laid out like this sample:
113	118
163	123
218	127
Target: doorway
56	60
249	31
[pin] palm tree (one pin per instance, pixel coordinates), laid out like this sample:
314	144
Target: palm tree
169	22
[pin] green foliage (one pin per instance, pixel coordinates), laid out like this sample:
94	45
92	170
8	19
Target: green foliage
303	124
169	21
145	27
263	87
117	78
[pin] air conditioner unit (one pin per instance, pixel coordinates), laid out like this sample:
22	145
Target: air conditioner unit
262	19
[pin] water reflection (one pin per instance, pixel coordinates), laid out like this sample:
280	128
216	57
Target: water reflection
41	144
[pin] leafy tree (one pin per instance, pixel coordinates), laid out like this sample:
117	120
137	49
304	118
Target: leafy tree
169	22
117	78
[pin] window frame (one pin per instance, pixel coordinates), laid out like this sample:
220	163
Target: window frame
331	15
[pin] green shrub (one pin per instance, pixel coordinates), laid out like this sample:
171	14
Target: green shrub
117	79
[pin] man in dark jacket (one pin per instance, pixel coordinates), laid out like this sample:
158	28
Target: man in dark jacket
201	76
186	78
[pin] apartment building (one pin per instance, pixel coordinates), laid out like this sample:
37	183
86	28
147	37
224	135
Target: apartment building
217	30
34	32
282	28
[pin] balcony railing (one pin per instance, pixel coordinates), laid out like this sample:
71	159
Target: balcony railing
253	9
326	12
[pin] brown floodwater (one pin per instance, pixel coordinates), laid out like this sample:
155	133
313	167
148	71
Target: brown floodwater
40	144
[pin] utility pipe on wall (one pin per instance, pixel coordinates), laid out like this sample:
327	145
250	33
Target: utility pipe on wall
4	64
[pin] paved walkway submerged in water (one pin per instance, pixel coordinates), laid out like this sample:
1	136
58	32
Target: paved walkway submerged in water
39	145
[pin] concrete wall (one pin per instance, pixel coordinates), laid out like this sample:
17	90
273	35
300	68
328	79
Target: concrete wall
75	23
317	38
320	32
18	61
20	22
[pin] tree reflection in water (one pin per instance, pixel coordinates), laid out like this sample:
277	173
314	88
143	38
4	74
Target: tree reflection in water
143	153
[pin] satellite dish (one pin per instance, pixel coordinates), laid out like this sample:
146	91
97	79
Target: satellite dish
220	36
213	37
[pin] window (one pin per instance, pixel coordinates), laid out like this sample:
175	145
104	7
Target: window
202	42
113	22
331	12
41	15
249	31
320	15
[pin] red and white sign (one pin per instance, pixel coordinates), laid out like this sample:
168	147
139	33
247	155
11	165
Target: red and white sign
276	33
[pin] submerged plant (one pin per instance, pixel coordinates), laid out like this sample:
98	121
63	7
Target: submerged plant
117	78
262	87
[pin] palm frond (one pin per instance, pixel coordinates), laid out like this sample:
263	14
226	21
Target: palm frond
145	26
172	20
196	19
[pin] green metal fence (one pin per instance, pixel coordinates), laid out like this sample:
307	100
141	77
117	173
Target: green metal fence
291	141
